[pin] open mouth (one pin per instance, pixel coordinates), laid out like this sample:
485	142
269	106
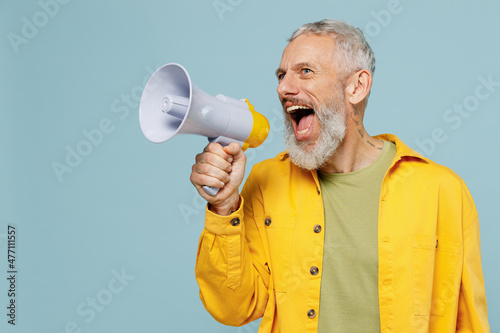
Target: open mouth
302	118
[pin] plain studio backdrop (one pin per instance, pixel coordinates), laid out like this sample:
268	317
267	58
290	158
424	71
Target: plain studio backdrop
107	223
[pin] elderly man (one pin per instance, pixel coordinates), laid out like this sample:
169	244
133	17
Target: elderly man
343	232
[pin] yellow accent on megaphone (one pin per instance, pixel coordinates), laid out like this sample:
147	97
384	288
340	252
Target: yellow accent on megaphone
260	129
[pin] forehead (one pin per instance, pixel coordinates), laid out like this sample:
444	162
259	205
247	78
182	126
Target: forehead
307	48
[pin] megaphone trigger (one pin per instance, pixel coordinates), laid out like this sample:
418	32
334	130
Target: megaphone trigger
171	105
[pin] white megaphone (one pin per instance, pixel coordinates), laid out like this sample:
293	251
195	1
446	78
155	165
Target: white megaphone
171	105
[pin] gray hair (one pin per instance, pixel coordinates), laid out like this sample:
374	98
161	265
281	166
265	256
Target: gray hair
352	48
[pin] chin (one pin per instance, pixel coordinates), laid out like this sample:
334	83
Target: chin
307	146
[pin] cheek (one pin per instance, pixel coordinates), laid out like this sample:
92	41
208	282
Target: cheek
315	94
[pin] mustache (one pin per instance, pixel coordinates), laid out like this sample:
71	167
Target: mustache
296	100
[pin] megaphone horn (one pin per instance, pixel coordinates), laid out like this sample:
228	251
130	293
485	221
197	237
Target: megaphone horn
171	105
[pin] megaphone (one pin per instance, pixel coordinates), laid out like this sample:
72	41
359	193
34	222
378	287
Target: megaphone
172	105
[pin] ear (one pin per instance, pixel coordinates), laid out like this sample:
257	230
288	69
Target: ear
358	86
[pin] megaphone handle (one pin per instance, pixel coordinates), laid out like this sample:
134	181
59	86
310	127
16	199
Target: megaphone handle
211	190
224	141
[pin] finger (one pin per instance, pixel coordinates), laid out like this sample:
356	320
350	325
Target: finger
214	160
209	170
200	180
218	150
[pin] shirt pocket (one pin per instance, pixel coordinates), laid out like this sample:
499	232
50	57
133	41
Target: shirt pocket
280	230
434	269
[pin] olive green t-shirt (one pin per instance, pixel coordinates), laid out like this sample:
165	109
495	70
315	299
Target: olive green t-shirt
349	282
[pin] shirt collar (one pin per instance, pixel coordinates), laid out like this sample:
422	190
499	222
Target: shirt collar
402	149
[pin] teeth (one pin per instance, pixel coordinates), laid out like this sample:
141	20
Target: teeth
293	108
303	131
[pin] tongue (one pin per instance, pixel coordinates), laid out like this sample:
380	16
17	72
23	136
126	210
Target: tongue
305	122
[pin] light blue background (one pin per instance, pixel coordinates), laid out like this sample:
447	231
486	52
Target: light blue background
128	206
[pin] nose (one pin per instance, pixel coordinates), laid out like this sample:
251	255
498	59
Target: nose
287	86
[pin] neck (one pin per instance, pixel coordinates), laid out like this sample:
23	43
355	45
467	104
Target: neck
358	150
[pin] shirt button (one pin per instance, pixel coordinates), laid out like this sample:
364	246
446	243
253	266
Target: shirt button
314	270
317	228
311	313
235	222
267	221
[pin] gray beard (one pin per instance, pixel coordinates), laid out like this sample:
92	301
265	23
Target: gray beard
310	155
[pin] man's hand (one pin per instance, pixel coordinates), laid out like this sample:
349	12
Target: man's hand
221	167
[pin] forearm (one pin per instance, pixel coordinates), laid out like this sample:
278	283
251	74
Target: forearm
233	282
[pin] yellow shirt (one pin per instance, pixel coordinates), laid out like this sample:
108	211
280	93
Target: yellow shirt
256	262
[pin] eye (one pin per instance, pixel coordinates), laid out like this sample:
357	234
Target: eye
306	71
281	76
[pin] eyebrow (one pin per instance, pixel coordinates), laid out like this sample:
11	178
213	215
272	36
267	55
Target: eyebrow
299	65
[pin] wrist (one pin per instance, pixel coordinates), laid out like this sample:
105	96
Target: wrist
230	206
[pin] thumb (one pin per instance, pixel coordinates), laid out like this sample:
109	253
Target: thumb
234	149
